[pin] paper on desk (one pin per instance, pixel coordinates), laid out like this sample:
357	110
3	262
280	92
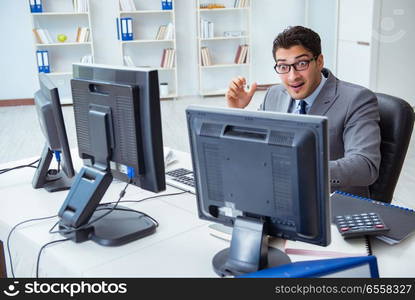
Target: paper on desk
387	240
339	247
169	156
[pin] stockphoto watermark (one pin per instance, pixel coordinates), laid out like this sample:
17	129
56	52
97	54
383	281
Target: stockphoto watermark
388	31
72	289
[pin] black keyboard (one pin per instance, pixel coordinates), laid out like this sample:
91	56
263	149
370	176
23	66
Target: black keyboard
183	176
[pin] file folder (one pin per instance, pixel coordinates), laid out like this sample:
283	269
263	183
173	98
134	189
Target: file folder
130	35
35	6
42	61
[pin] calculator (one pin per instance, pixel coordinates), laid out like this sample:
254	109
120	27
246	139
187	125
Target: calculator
357	225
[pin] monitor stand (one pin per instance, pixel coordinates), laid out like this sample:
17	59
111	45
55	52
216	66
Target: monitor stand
249	251
50	179
81	208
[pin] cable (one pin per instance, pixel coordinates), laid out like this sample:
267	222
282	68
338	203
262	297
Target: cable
368	245
2	171
148	198
64	231
10	233
40	252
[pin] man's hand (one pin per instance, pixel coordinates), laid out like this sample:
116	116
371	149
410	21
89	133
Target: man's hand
237	96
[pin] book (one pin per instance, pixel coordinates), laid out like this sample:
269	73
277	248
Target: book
238	53
400	220
128	61
37	36
127	5
206	58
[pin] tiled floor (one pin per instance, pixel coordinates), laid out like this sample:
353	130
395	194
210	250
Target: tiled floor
20	135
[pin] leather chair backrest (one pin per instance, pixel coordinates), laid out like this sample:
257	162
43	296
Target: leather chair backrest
396	124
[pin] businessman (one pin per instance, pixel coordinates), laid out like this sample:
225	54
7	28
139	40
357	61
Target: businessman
309	88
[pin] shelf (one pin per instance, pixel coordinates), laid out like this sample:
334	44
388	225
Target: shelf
146	41
223	9
169	96
224	66
219	38
68	13
146	11
165	69
213	92
58	73
63	44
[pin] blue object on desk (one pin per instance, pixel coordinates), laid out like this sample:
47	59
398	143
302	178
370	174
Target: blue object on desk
358	266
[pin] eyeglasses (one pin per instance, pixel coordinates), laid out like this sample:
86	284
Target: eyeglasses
298	66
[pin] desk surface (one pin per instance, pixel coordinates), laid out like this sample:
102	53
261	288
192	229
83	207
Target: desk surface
181	246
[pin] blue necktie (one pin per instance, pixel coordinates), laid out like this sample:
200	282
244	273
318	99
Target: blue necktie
303	105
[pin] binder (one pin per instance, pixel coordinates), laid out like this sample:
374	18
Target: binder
46	67
169	4
400	220
164	4
35	6
130	35
39	59
42	61
125	29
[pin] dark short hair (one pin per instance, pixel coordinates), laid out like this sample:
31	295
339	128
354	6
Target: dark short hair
298	36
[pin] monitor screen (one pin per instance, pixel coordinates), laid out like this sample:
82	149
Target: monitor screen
265	167
49	113
118	127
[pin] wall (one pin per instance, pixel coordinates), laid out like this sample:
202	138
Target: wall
325	26
268	19
18	63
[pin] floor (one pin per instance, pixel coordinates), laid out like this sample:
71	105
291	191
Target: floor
20	134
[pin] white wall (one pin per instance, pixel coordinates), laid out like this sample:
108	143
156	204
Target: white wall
17	53
322	18
270	17
396	63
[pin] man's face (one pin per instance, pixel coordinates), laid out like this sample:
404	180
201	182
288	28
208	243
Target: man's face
300	84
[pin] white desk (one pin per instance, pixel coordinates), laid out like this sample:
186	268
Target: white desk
181	246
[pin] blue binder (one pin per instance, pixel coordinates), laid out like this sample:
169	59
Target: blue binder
125	29
166	4
358	266
42	57
35	6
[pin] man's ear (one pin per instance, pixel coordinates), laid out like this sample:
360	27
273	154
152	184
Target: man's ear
320	61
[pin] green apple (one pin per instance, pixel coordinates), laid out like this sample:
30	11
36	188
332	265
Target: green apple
62	37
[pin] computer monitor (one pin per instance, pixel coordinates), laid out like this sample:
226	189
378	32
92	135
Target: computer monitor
118	127
49	113
263	173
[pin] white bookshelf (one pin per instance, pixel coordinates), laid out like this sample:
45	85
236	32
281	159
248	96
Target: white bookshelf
60	17
145	50
214	79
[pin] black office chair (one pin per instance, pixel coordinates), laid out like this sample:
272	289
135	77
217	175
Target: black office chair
396	124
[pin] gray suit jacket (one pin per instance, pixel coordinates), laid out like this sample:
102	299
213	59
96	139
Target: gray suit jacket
354	134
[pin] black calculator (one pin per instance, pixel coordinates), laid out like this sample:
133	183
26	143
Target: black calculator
357	225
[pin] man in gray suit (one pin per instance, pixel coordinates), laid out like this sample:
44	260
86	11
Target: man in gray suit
308	88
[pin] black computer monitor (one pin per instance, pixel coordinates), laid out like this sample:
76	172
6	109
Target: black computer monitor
49	113
263	173
118	127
